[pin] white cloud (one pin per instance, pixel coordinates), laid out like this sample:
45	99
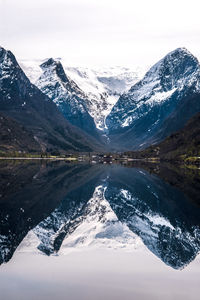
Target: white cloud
108	32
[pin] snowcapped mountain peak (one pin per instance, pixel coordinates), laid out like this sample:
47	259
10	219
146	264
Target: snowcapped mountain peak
7	62
55	83
137	118
66	94
181	51
47	63
53	65
173	70
4	54
10	73
163	85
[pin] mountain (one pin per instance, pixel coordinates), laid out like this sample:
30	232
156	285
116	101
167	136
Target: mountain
130	118
101	87
66	94
157	105
25	103
14	137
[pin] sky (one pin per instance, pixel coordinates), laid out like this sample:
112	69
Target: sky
99	32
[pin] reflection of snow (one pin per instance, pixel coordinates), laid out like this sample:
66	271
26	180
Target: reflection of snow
101	228
97	227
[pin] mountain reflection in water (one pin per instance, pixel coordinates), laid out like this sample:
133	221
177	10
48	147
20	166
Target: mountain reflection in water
54	206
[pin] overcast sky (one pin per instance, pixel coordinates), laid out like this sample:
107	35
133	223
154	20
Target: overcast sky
99	32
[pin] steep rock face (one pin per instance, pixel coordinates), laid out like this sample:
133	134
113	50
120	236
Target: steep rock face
25	103
66	94
139	114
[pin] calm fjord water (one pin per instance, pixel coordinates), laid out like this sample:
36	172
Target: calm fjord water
82	231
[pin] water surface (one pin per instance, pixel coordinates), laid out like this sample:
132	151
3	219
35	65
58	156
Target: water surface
82	231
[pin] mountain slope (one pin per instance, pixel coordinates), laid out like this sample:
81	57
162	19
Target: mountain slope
178	146
139	114
25	103
15	137
65	93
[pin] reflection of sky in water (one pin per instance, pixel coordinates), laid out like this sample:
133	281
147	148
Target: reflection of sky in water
97	274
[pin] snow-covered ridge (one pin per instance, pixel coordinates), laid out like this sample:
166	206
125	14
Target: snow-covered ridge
66	94
56	84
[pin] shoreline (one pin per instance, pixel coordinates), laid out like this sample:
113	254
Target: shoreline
36	158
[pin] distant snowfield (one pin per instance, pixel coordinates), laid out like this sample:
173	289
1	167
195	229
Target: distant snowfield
103	86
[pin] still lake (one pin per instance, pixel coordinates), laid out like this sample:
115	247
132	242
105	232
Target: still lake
99	231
